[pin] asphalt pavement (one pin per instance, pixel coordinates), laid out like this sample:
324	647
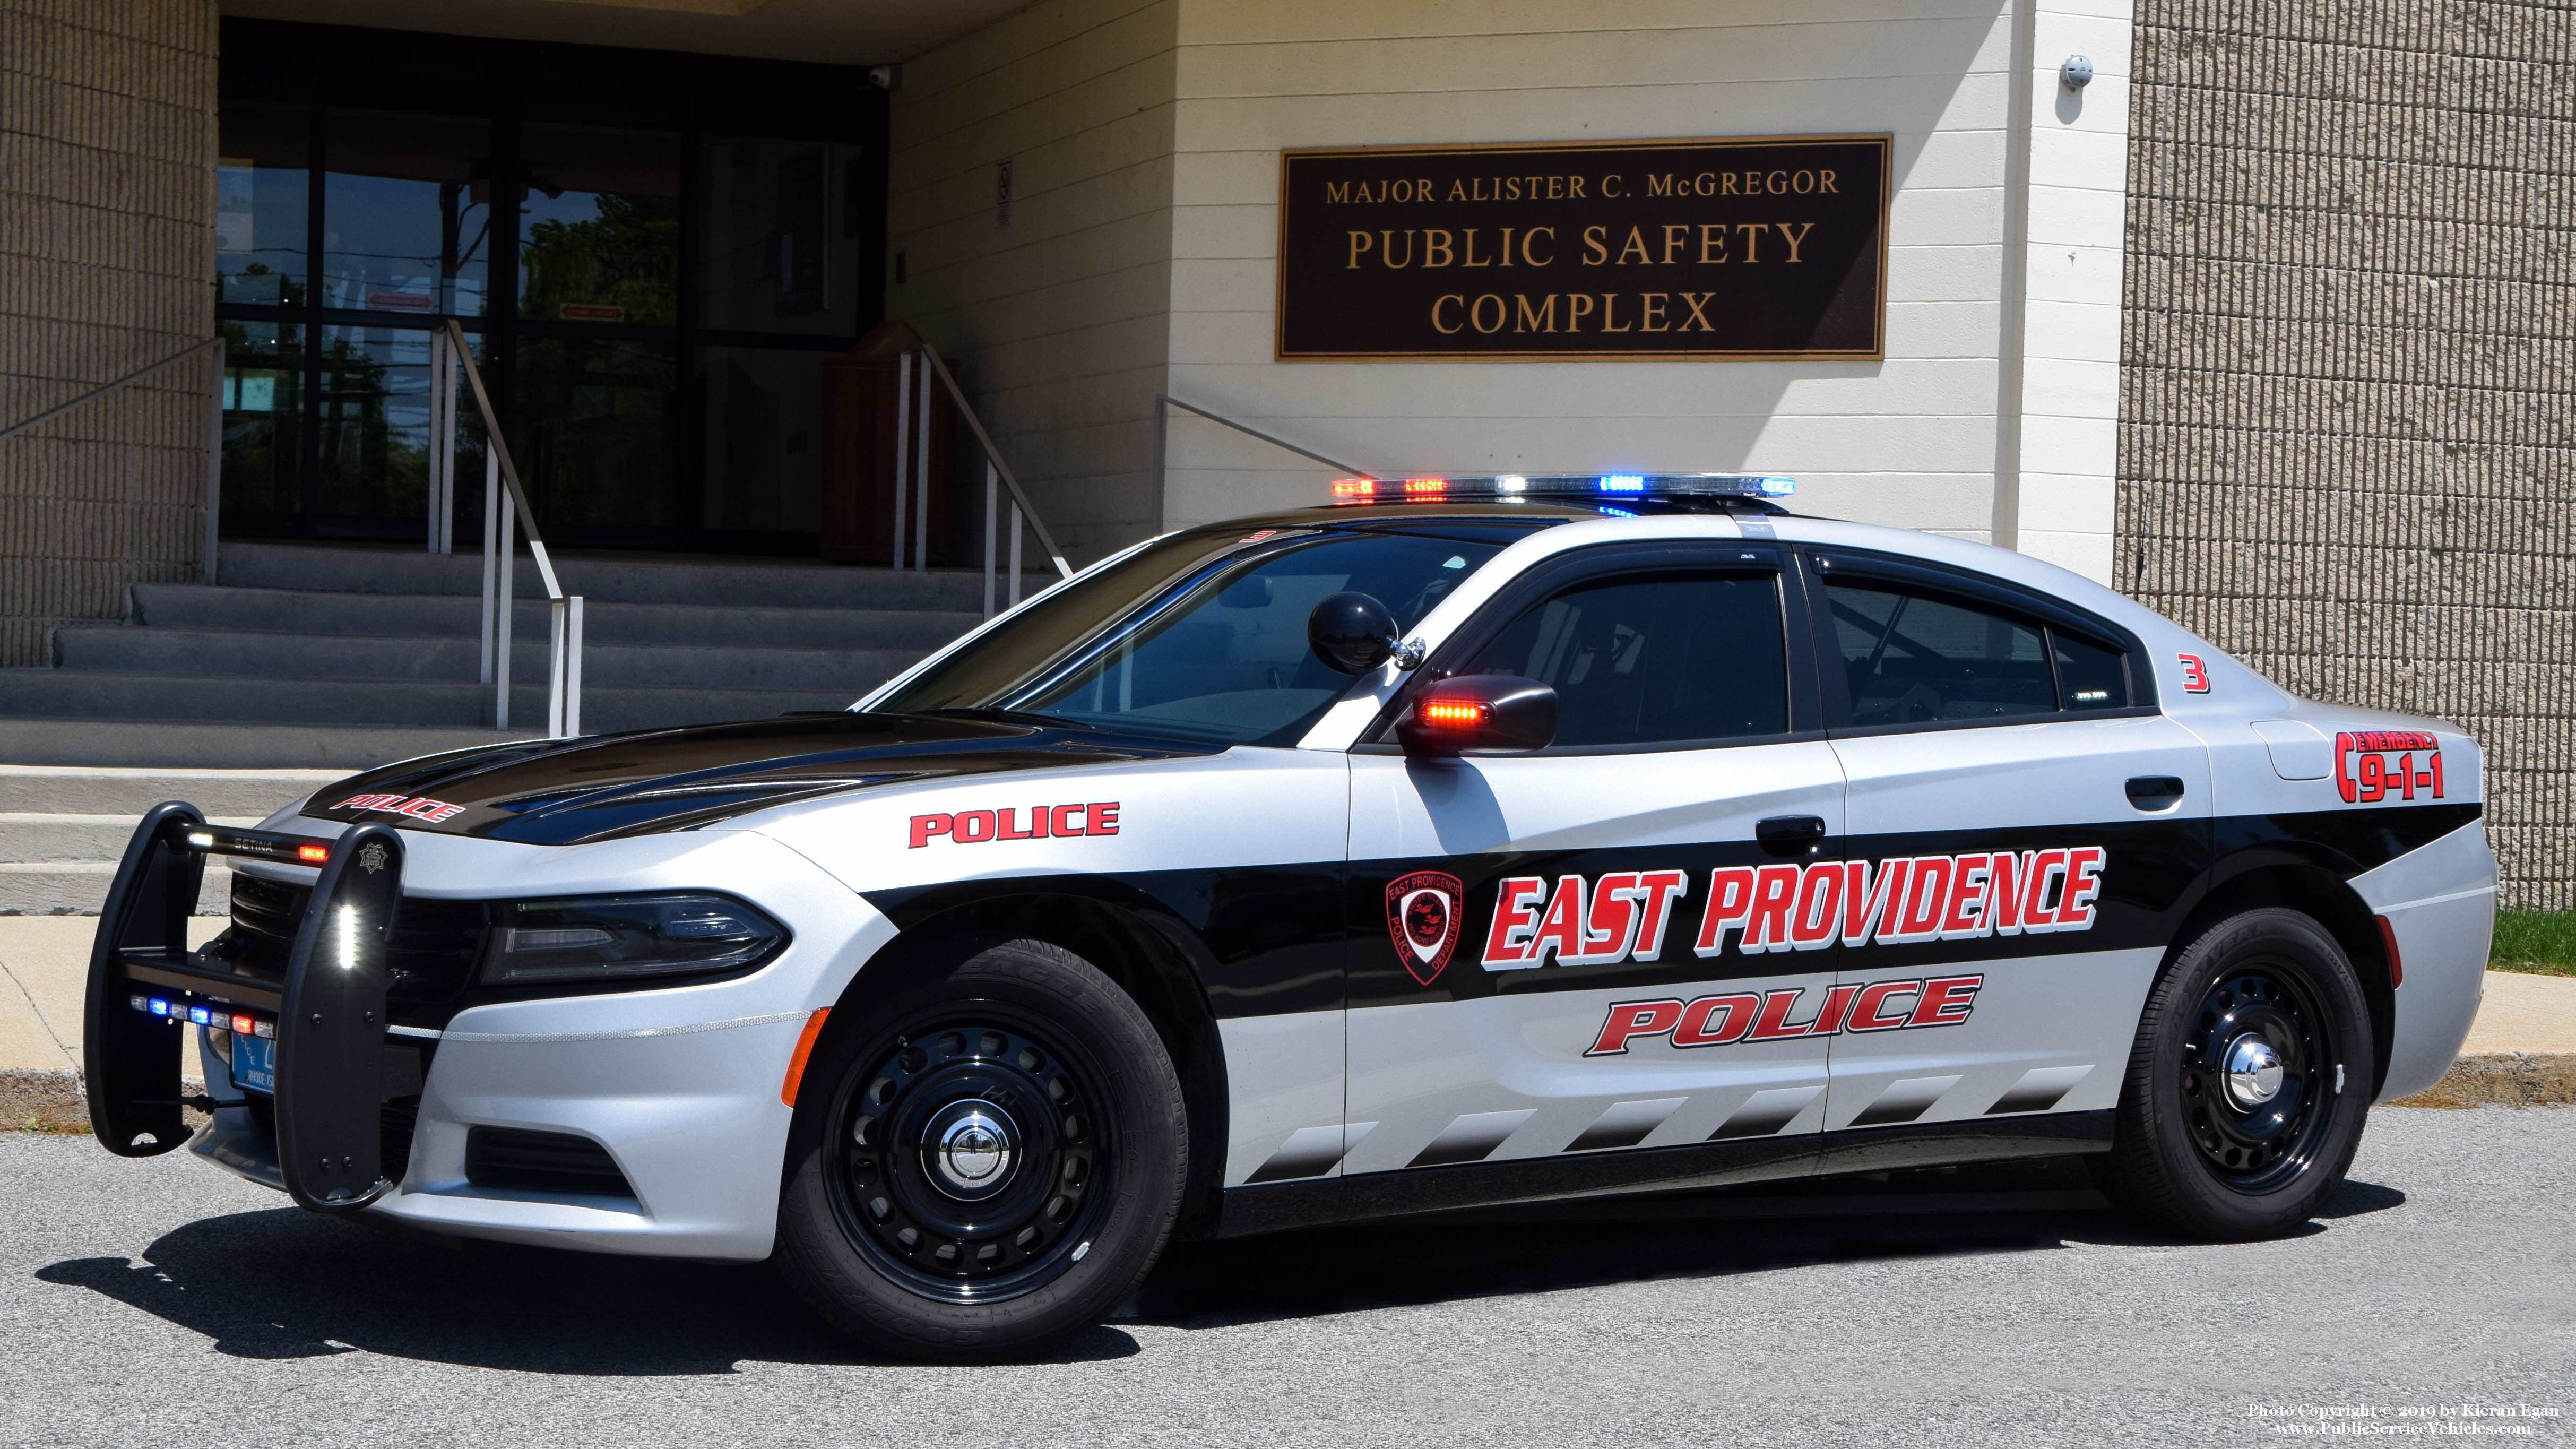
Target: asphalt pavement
161	1302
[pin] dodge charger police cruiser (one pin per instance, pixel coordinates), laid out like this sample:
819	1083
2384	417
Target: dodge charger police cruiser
1461	841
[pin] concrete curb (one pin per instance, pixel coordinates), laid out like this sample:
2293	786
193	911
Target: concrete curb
2504	1079
55	1099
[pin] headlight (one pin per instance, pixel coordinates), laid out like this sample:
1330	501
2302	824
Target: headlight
596	938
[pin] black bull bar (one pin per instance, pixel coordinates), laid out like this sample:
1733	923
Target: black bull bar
329	1006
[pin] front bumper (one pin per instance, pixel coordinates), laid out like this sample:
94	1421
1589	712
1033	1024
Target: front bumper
680	1086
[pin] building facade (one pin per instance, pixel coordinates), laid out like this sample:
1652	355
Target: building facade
2267	323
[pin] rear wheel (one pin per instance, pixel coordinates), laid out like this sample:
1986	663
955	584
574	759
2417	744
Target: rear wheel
2247	1084
989	1159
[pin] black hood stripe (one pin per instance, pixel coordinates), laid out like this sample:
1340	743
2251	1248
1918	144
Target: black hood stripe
614	786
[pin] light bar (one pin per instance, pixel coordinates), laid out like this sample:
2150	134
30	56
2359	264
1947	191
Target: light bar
257	844
212	1012
1515	486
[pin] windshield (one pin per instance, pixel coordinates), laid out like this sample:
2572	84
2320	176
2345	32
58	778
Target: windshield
1202	635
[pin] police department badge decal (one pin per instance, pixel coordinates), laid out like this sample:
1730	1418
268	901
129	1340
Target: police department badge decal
1422	916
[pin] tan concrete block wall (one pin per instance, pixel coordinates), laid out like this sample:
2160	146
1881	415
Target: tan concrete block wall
107	140
2347	446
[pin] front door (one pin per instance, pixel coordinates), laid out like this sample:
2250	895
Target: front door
1591	948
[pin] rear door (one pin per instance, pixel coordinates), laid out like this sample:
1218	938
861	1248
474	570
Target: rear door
1535	970
2025	830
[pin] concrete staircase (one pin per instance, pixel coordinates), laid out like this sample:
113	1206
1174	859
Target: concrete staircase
310	661
63	828
367	636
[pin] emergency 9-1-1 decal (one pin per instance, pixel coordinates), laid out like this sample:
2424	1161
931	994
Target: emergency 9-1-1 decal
1621	916
2372	766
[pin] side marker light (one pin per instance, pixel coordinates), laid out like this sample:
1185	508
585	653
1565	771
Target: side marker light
1456	714
2388	942
804	1049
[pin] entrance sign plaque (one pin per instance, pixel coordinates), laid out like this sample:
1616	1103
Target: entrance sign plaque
1746	249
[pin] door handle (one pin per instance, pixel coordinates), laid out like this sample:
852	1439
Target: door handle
1790	835
2155	792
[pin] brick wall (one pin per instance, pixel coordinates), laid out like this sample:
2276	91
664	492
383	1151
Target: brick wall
107	138
2347	444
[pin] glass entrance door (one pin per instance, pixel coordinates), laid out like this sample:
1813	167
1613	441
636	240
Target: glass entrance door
651	255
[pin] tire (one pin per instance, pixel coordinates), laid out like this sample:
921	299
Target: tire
985	1158
2204	1152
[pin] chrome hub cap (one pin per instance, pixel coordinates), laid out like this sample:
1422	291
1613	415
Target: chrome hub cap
969	1149
2254	1072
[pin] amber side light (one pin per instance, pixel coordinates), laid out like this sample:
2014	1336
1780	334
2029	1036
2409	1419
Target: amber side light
804	1049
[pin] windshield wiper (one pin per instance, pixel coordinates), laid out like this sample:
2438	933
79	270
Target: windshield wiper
1006	716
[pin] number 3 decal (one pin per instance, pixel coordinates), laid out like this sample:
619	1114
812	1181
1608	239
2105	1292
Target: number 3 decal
2195	675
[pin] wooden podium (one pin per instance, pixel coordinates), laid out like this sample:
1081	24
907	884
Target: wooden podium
858	503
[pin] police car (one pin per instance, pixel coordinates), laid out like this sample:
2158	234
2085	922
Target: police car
1464	841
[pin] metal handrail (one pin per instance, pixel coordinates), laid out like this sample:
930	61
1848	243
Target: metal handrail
1165	402
500	551
912	495
214	430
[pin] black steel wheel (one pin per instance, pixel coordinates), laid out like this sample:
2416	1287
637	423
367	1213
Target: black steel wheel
986	1155
968	1165
2248	1083
2257	1078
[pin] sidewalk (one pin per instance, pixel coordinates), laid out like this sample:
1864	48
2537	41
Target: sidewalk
2522	1049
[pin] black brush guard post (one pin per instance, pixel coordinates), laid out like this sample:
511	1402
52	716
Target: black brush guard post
330	1004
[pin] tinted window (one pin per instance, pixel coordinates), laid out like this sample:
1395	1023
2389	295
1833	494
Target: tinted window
1912	658
2092	676
1651	659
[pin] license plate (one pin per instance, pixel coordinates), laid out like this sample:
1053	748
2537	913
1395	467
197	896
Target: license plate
255	1063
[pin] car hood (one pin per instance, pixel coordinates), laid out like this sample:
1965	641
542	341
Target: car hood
566	792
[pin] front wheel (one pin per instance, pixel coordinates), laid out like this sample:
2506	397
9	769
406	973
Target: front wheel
989	1158
2248	1082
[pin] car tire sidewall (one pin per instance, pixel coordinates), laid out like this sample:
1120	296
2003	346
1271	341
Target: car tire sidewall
1132	1077
2154	1167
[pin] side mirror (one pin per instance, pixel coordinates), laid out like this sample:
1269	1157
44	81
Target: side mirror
1351	632
1479	714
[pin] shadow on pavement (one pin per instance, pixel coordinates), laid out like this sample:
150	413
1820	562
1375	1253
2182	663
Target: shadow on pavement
284	1284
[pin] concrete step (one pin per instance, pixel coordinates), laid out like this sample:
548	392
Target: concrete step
124	649
80	888
30	837
127	793
297	611
184	749
620	578
69	693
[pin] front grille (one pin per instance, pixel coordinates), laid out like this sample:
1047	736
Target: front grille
435	945
506	1158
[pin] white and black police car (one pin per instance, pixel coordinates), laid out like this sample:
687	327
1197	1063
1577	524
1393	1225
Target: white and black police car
1466	841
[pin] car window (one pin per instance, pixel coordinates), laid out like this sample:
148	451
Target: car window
1916	656
1913	657
2092	676
1228	660
1647	659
